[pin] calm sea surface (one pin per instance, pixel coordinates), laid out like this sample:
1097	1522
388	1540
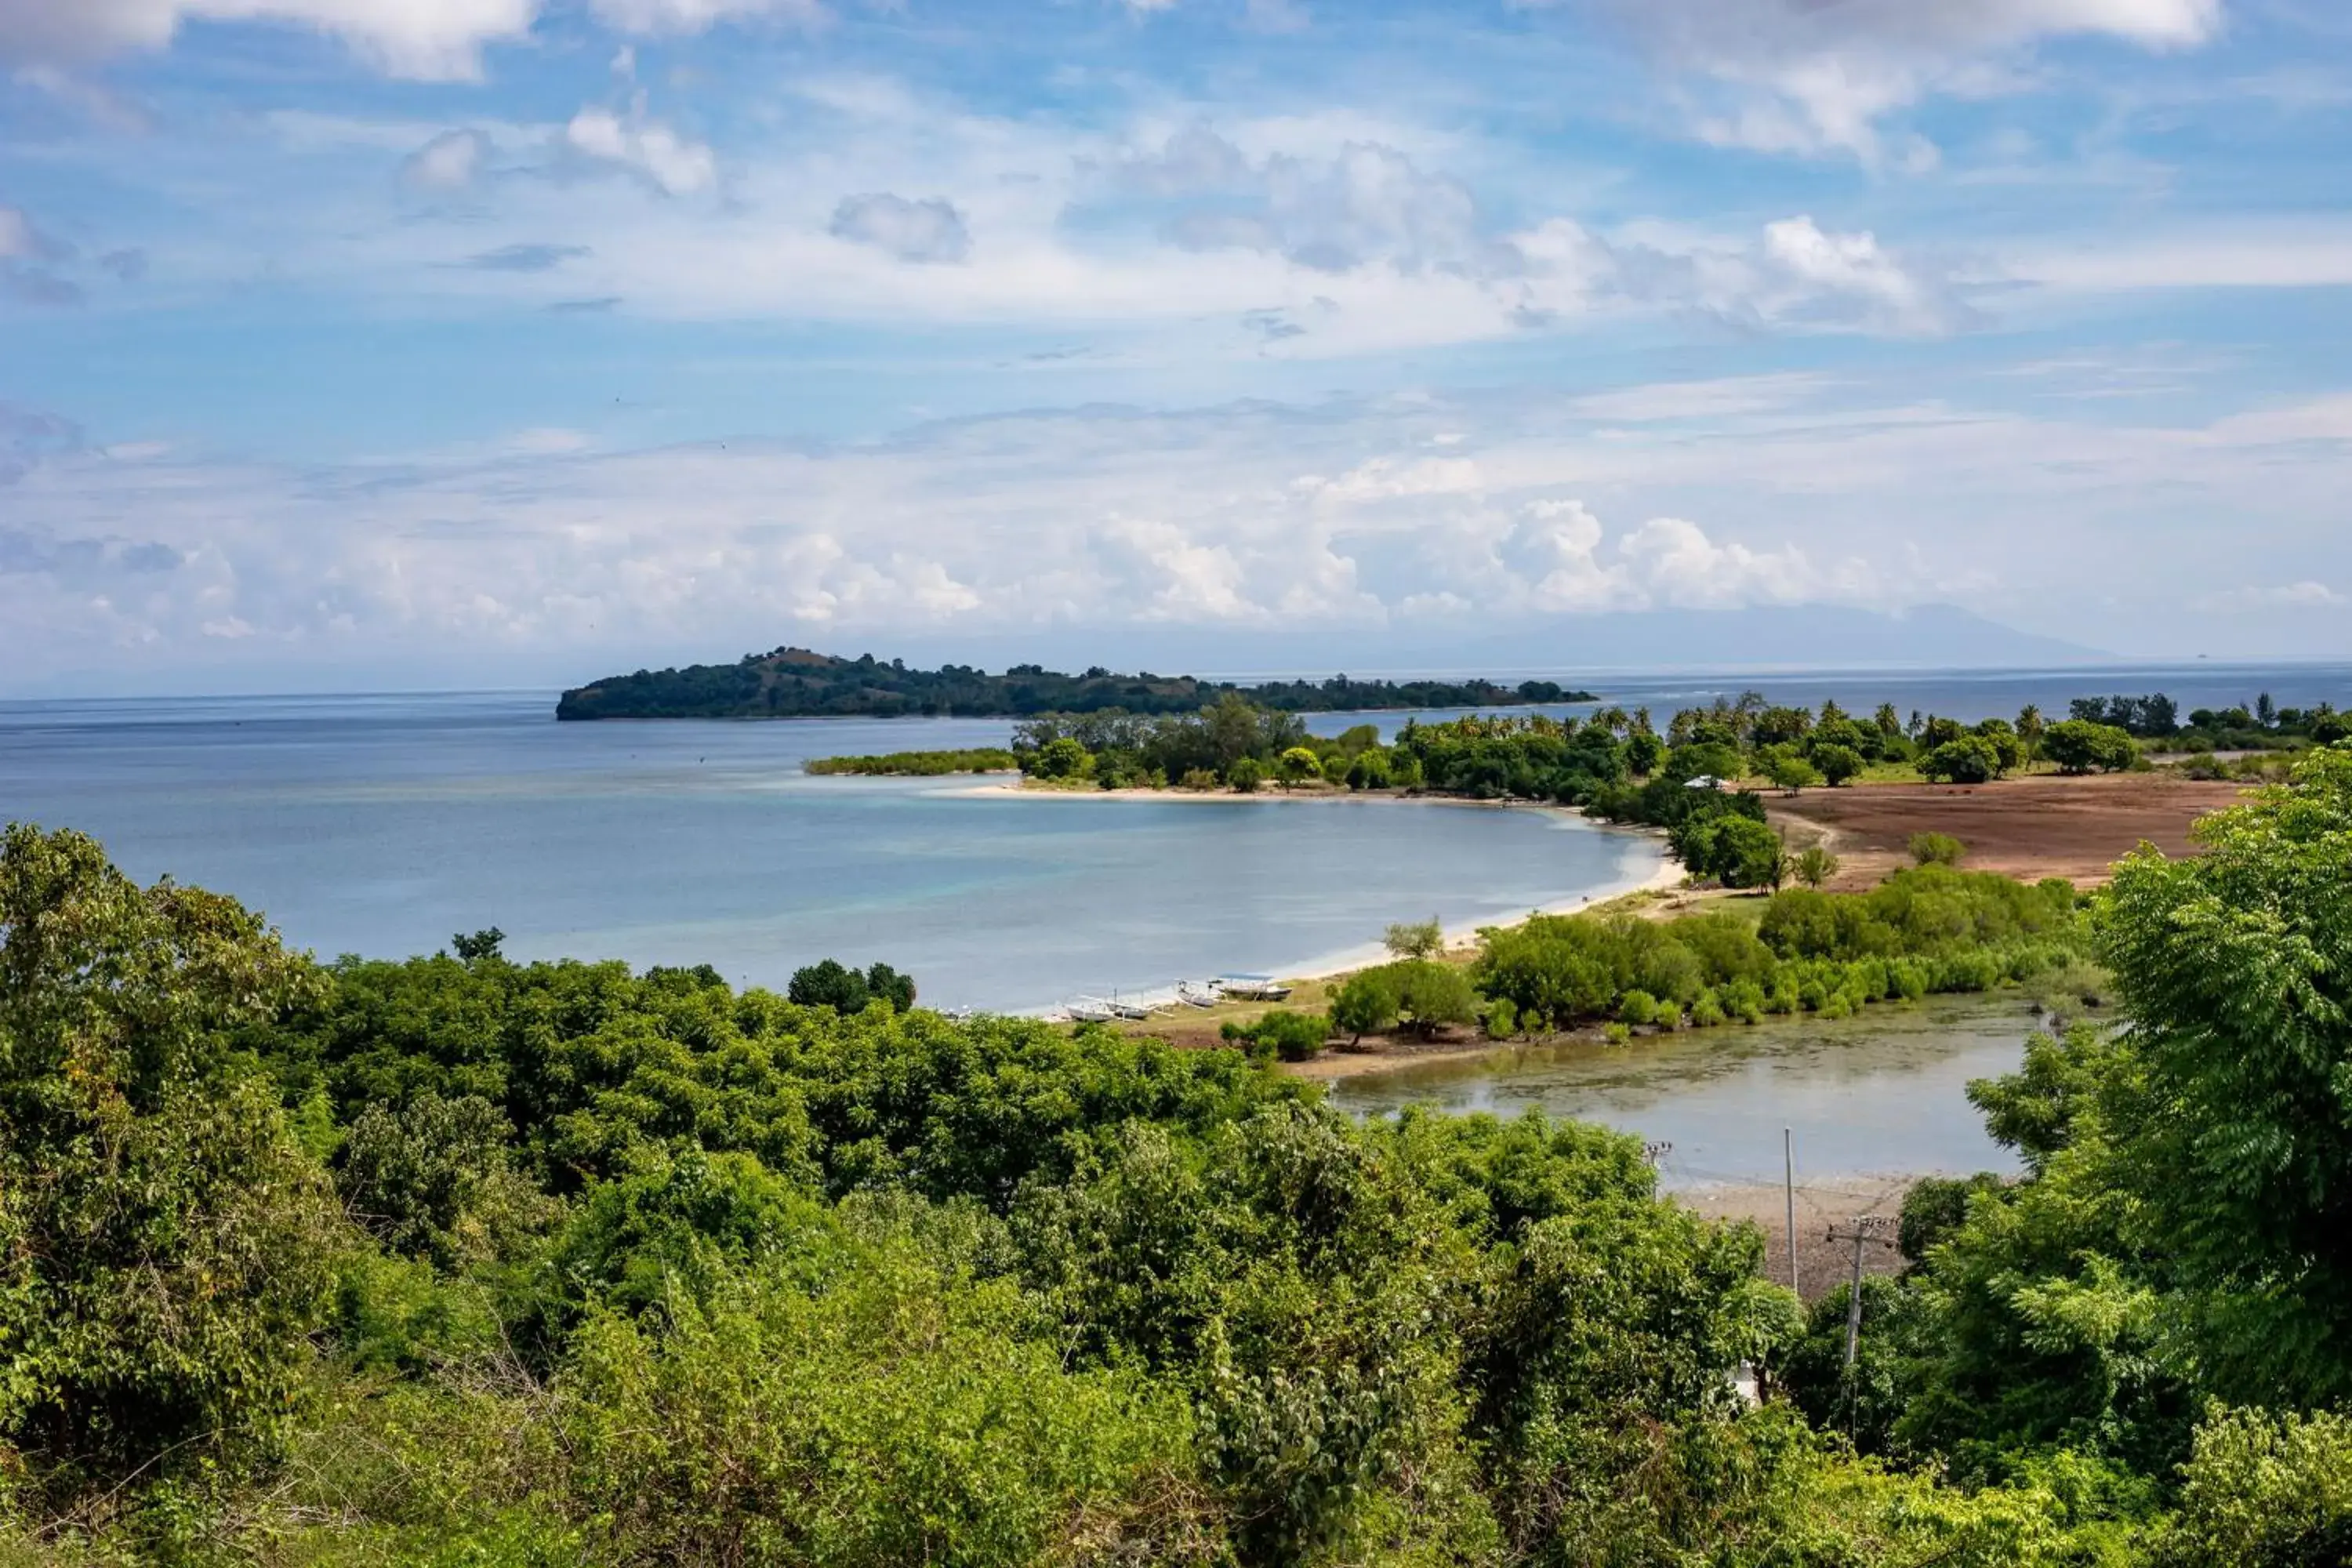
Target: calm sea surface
382	824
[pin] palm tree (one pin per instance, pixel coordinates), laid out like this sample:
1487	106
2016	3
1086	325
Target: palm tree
2029	728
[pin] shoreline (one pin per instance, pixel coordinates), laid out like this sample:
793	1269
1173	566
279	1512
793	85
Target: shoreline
1667	874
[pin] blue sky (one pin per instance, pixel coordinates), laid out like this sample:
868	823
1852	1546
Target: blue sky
432	342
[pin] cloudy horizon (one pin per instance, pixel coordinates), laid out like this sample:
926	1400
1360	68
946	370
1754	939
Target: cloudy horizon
540	337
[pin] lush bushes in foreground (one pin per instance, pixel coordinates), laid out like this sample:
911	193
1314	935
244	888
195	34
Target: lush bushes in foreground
634	1269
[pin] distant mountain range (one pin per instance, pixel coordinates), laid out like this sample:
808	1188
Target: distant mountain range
795	683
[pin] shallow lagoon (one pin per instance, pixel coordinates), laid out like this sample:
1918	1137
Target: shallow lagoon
1882	1092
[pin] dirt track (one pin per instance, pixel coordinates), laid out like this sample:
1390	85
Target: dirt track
2035	827
1822	1265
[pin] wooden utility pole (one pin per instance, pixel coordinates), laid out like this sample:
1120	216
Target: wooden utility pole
1653	1152
1789	1178
1867	1229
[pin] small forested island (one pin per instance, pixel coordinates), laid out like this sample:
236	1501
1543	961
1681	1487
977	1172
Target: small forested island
794	683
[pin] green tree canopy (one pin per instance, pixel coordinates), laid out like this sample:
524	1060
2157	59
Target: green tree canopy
2079	746
164	1242
2235	969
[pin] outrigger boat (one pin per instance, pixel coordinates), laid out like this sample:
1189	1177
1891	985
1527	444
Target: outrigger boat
1199	993
1252	988
1099	1010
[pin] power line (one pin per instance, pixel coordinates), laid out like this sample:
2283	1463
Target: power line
1865	1230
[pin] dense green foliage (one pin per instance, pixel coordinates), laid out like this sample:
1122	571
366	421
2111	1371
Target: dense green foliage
922	764
2178	1238
794	683
458	1260
2078	746
1930	930
829	983
2260	725
1279	1032
163	1241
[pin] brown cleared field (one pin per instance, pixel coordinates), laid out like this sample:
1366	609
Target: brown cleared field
2030	827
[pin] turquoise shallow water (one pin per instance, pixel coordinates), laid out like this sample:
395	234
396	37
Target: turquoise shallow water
382	824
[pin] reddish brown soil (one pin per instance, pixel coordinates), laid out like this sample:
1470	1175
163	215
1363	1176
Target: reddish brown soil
2031	828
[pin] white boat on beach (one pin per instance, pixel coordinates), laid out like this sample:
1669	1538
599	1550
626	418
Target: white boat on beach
1104	1009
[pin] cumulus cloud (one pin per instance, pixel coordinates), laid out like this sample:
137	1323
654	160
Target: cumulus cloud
1794	276
1554	548
1368	203
643	146
930	230
1183	579
1554	555
426	39
1807	78
1370	207
422	38
545	541
1387	478
1355	516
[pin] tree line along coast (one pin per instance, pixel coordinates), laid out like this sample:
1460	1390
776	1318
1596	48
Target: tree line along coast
456	1259
1709	778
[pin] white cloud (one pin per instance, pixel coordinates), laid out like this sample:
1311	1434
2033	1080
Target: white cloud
2306	254
1556	545
1555	556
427	40
1676	563
644	146
929	230
1794	276
1385	478
424	38
654	17
2304	595
1368	202
447	163
1182	579
546	546
1805	77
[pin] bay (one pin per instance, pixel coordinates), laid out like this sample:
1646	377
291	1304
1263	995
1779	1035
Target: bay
383	825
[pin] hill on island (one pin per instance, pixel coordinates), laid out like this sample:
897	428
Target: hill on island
794	683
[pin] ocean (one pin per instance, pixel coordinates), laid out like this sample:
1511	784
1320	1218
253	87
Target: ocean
381	825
